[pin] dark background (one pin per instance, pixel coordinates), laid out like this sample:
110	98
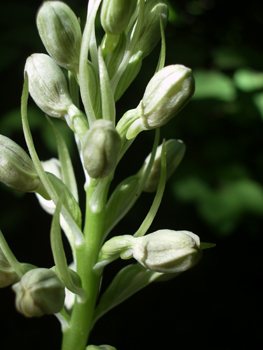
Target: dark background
216	192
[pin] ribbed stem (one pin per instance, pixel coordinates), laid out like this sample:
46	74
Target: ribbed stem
77	334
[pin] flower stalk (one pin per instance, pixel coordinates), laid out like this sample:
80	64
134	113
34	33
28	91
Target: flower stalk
98	75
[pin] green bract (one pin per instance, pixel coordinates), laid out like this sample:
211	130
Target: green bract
8	276
39	292
101	146
175	150
154	12
60	32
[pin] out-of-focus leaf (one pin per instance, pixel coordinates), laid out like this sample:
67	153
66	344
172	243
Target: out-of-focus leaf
224	208
258	101
247	79
228	58
213	85
191	189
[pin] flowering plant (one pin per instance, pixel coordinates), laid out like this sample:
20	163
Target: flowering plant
99	75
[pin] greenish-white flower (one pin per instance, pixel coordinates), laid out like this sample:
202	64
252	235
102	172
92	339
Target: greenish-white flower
48	85
167	251
116	14
48	88
39	292
100	149
164	251
17	170
60	32
166	94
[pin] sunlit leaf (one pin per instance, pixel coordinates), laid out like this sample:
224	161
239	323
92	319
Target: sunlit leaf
247	79
213	85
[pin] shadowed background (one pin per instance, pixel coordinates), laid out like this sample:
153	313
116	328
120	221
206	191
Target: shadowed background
216	192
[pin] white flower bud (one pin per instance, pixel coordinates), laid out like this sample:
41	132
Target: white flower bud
166	251
101	147
48	85
166	94
60	32
116	14
17	169
39	292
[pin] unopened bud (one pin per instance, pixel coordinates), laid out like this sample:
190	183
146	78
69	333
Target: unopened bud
150	34
60	32
8	275
116	14
166	94
47	85
166	251
17	169
101	147
39	292
175	150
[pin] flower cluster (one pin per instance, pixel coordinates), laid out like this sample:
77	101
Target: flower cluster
99	75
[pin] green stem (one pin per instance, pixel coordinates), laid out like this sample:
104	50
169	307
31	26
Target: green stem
77	334
10	256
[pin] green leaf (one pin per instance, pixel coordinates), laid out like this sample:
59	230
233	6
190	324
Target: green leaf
213	84
127	282
258	101
247	79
